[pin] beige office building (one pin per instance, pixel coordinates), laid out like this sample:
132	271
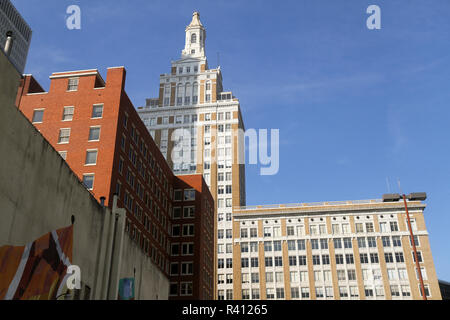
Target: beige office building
196	125
330	250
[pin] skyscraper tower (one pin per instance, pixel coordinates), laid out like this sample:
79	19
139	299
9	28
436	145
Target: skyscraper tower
198	127
11	22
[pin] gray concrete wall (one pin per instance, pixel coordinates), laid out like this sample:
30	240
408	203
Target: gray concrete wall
39	193
9	80
150	282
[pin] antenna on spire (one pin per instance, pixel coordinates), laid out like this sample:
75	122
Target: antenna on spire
399	186
218	58
388	185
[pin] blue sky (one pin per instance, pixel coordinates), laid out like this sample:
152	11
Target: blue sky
354	106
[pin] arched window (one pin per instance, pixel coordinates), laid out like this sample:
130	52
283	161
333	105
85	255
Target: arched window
195	93
180	94
187	94
193	38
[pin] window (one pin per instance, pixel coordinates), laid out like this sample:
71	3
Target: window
97	111
267	246
188	230
187	248
394	226
399	257
396	241
38	116
277	246
64	135
186	289
314	244
364	258
361	242
316	259
292	260
176	213
291	245
406	292
419	256
280	293
63	154
416	241
395	292
244	263
188	212
174	268
351	275
349	258
347	243
339	259
359	228
323	244
269	277
245	294
369	227
68	113
94	133
337	243
173	289
383	227
368	291
354	292
325	259
278	262
372	242
189	195
335	228
295	293
270	293
389	257
374	257
88	181
302	260
305	293
343	292
187	268
386	241
73	84
301	245
91	157
175	230
255	277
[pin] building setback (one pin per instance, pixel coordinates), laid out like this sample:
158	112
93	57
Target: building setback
96	129
331	250
198	127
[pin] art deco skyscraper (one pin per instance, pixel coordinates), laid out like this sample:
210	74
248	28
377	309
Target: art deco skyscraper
197	126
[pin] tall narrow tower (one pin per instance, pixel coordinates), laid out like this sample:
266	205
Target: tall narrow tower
198	126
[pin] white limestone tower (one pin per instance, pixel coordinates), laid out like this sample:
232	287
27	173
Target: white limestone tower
192	98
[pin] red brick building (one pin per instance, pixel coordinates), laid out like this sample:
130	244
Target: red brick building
191	193
94	126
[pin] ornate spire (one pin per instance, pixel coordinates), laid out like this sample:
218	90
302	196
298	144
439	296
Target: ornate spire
195	20
195	38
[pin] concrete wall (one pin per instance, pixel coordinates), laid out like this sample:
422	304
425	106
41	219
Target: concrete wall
9	80
39	193
150	282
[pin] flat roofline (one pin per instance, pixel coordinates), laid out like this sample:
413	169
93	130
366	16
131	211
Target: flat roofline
80	73
76	71
314	204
